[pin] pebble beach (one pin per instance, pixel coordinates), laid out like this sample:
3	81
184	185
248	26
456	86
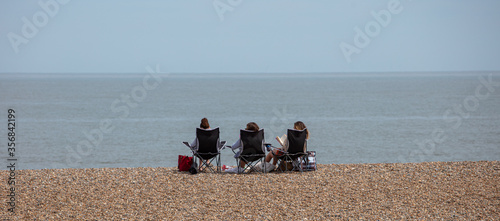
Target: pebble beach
396	191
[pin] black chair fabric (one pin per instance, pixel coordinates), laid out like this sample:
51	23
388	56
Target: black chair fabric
297	149
207	143
208	148
252	152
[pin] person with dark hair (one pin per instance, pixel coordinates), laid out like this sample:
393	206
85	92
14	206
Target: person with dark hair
299	125
204	123
252	126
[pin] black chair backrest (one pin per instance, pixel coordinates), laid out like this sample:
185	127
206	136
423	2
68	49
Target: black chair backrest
252	142
296	141
207	142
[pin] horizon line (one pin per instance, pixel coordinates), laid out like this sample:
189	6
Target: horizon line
231	73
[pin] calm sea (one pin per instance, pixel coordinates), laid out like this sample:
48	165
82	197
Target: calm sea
140	120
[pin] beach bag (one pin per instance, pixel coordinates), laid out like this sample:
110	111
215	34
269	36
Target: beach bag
194	168
185	163
309	164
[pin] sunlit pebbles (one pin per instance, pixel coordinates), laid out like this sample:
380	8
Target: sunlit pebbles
429	191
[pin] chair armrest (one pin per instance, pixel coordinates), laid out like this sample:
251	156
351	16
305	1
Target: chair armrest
188	145
231	147
222	145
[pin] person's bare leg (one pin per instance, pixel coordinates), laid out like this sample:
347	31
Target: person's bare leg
199	164
272	155
275	157
269	157
275	160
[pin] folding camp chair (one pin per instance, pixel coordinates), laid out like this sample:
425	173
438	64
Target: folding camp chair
252	150
296	152
207	148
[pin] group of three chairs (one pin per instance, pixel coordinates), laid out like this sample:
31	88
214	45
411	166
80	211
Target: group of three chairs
208	146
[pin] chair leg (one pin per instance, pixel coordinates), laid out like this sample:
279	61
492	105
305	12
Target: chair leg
206	163
203	164
299	164
303	160
285	161
218	164
238	161
296	164
249	164
246	165
279	169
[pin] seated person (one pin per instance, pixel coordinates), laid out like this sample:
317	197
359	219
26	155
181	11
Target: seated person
252	126
299	125
203	125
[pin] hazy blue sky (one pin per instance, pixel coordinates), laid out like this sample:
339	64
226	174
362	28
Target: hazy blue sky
249	35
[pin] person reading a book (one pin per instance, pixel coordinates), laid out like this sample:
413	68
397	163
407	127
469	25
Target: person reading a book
274	154
252	126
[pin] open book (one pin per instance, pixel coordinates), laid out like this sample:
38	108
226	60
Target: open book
281	140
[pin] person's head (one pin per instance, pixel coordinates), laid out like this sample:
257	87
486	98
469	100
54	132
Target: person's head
204	123
252	126
299	125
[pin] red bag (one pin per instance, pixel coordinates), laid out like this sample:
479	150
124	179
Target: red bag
185	163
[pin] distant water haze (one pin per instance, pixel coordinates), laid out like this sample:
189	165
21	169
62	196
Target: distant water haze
87	121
